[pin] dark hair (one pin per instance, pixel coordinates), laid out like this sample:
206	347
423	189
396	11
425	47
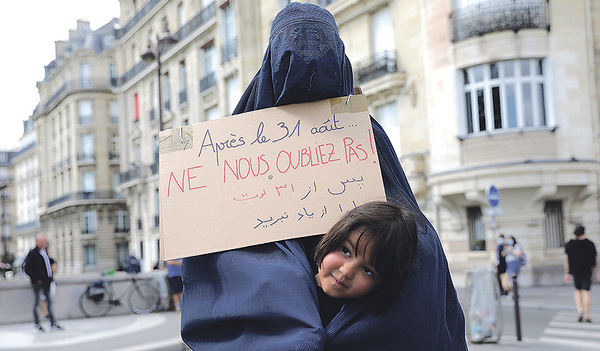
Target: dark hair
579	230
390	231
514	239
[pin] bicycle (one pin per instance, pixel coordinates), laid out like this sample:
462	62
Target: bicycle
99	297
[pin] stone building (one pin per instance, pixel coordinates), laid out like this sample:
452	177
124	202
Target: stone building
76	120
7	204
471	93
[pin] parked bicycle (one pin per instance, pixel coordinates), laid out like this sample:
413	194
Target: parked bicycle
99	297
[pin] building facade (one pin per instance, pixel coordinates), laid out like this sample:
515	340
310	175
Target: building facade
77	130
7	205
27	186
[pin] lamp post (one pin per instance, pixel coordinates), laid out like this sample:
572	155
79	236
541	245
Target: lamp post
153	53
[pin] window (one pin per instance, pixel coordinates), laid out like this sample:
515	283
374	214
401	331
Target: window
182	83
85	75
86	146
209	67
114	112
85	112
89	255
121	221
388	118
228	32
113	153
112	72
553	224
476	229
181	15
167	85
136	99
122	254
212	113
88	181
89	222
233	92
506	95
382	30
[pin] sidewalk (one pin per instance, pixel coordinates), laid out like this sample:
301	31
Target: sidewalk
160	331
152	332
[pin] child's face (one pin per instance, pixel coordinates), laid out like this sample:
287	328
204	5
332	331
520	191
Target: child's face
347	274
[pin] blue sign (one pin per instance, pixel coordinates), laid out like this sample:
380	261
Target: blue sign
492	195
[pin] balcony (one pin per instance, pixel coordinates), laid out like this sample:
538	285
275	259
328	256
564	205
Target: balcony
134	71
133	173
122	229
86	158
492	16
113	156
206	14
182	97
136	18
22	227
208	81
229	50
69	88
379	64
86	195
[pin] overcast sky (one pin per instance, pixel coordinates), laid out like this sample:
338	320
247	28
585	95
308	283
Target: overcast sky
29	30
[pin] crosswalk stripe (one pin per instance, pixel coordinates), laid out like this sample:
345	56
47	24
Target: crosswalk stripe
584	345
584	326
584	334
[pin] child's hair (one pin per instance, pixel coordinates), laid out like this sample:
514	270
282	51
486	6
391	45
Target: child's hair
390	231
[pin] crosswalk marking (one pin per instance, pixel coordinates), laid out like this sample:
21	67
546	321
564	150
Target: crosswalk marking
563	329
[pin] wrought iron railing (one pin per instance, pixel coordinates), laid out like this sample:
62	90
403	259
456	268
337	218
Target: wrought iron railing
377	65
134	71
136	18
208	81
156	221
496	16
202	17
86	195
229	50
27	226
121	229
69	87
133	173
325	2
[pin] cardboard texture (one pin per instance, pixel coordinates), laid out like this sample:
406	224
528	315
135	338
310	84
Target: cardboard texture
264	176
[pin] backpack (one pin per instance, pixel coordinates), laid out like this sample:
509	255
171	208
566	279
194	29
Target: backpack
132	265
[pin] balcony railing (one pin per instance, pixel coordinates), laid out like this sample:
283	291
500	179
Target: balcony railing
494	16
208	81
121	229
207	13
183	97
229	50
134	71
156	221
86	195
27	226
324	3
69	87
133	173
136	18
377	65
86	157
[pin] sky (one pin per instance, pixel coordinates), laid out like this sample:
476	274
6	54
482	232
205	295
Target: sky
29	30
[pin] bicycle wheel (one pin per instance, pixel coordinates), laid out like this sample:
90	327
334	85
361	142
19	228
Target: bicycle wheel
143	298
95	306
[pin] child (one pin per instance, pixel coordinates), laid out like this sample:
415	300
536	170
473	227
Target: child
367	253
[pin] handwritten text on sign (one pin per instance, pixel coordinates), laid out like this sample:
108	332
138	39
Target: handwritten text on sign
264	176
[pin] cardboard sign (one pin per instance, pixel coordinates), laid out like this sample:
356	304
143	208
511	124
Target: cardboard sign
264	176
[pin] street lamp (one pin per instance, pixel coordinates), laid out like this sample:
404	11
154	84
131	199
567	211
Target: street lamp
153	53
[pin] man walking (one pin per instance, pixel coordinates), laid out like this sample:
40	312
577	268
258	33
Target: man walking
39	270
581	263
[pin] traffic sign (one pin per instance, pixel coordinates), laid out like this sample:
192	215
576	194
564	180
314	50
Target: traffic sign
492	195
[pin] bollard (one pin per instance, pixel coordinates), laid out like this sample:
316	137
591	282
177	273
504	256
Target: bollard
517	313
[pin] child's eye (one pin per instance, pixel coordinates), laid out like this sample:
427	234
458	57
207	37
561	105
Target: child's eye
346	251
368	271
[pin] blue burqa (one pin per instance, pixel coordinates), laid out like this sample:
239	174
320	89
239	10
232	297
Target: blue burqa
264	297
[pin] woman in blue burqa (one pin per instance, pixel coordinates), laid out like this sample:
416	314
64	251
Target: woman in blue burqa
264	297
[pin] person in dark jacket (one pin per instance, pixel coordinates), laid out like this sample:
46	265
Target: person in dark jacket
581	264
264	297
39	270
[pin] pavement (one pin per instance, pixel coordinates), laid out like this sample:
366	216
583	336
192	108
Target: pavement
160	331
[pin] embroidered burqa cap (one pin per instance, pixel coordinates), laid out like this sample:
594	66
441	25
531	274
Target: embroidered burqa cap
264	297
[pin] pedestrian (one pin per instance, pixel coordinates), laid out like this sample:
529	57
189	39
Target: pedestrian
175	283
501	264
39	270
580	264
512	255
44	303
264	297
